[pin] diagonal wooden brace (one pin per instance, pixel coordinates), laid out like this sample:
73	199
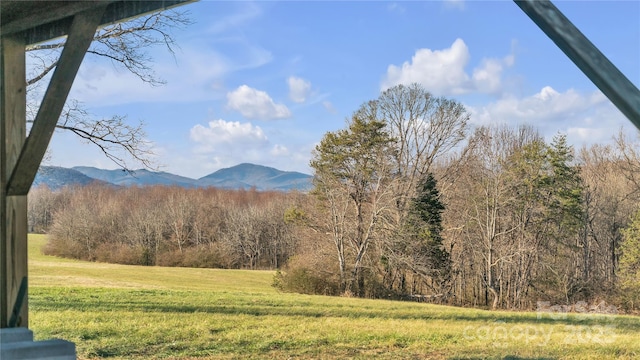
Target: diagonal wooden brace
81	34
606	76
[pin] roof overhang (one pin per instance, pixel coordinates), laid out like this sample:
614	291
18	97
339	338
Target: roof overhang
45	20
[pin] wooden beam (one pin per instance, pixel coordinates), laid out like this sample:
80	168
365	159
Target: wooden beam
34	14
606	76
41	21
13	209
80	36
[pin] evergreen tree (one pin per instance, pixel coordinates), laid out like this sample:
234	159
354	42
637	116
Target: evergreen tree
352	170
425	223
565	253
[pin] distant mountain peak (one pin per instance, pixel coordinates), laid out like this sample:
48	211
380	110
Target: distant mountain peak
56	177
241	176
262	177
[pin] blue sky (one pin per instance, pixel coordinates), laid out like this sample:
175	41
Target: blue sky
262	82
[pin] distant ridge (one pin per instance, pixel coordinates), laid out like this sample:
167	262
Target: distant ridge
258	176
242	176
139	177
56	177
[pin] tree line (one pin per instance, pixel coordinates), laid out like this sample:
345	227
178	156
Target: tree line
409	202
165	226
415	203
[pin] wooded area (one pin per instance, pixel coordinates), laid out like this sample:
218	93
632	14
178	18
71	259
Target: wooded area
410	202
165	226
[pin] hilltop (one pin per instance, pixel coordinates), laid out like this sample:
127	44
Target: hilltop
242	176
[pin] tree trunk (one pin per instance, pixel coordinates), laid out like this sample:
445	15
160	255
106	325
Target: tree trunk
494	293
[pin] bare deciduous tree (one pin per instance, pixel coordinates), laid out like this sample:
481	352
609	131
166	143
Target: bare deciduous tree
425	128
630	156
126	45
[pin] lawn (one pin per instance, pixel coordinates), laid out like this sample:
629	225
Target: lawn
134	312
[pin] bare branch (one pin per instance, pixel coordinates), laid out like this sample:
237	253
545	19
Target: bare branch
125	45
117	139
43	73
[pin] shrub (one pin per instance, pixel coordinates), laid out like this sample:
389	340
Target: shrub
204	257
305	281
169	258
123	254
63	247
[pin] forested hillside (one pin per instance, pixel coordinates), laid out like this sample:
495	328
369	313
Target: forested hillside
409	202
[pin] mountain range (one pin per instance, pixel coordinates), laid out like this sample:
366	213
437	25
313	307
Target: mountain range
242	176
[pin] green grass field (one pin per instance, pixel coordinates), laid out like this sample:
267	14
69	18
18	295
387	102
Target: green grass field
133	312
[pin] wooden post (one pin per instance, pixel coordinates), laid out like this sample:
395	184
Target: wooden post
81	32
13	209
20	157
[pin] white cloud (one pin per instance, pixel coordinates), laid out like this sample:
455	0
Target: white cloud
548	104
443	71
438	70
585	134
279	150
221	144
299	89
195	74
584	117
487	78
223	135
255	104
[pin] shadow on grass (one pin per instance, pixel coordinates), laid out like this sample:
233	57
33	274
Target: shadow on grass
508	357
162	301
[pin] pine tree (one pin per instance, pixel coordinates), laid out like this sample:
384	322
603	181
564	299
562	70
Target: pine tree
426	225
566	187
352	171
565	254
